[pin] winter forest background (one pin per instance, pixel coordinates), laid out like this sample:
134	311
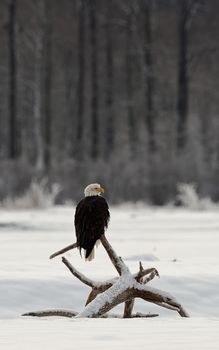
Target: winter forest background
124	92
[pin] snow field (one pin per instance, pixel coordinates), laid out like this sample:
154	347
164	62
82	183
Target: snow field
182	245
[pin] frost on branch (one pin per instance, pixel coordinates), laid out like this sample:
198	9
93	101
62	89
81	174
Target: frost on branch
105	295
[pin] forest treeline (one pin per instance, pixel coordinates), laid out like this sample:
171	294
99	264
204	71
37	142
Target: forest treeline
124	92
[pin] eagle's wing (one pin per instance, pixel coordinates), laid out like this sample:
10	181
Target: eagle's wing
91	219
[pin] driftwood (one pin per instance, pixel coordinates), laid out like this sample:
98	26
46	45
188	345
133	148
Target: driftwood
70	314
63	250
107	294
46	313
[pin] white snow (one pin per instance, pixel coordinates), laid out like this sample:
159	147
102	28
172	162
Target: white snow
182	245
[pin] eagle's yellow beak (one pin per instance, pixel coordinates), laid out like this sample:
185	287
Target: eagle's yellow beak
101	189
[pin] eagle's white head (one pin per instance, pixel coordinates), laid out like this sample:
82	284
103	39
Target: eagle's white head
93	190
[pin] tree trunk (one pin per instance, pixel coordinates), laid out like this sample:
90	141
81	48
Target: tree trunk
38	98
129	83
13	151
81	81
183	95
94	80
47	85
109	84
149	76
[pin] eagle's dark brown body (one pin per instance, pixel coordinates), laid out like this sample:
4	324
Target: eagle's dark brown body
91	219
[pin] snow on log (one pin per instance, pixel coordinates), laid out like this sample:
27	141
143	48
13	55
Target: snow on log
127	288
105	295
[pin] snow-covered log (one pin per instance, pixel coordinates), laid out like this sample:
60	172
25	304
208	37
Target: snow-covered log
105	295
126	288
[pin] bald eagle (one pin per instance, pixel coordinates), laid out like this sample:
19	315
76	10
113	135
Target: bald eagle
91	219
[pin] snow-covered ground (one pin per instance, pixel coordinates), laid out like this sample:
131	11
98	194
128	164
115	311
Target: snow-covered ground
182	245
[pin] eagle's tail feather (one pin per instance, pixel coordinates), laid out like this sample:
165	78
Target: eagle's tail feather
90	252
91	256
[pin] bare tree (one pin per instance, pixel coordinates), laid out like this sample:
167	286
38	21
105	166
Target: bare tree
109	97
149	73
13	129
38	84
184	12
129	58
92	7
81	79
91	70
47	85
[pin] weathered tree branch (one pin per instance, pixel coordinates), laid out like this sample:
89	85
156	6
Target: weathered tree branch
123	290
116	260
71	314
63	250
48	313
140	315
153	273
160	298
103	285
112	255
129	304
143	272
101	290
77	274
107	294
